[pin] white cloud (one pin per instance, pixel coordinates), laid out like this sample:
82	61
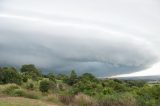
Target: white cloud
152	71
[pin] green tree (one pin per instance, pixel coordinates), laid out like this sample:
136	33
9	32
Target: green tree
10	75
51	77
73	78
31	71
89	76
62	77
44	86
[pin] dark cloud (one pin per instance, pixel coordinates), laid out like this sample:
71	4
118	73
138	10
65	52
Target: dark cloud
66	43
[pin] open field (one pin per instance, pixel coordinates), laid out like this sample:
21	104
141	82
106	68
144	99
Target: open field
20	101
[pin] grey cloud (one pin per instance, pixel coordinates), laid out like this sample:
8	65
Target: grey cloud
60	42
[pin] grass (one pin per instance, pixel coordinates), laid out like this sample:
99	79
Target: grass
25	97
19	101
84	100
15	90
14	95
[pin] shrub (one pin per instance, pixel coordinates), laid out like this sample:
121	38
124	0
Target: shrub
31	71
51	77
148	95
108	91
10	75
44	86
30	86
52	85
9	88
73	78
18	92
25	77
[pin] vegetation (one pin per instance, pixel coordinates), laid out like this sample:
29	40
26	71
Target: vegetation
44	86
74	90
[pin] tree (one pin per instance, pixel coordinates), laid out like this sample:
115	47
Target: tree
44	86
24	77
51	77
73	78
10	75
62	77
31	71
89	76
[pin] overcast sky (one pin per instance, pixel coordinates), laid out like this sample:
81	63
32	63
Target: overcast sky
104	37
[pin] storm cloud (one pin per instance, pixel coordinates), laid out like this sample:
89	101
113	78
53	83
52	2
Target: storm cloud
60	36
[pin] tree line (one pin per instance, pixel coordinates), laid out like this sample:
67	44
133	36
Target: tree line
105	91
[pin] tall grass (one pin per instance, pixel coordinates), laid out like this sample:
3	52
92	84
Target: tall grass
84	100
117	100
15	90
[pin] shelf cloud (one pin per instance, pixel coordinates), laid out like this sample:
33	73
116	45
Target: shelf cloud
105	40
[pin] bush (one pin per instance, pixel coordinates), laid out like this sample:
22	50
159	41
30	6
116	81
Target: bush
31	71
10	88
108	91
73	78
30	86
51	77
25	77
10	75
52	85
18	92
44	86
148	95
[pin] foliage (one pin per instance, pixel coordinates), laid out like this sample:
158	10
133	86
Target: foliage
9	88
18	92
137	83
73	78
31	71
77	90
117	100
84	100
10	75
44	86
30	86
51	77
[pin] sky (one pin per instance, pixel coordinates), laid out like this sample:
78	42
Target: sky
102	37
